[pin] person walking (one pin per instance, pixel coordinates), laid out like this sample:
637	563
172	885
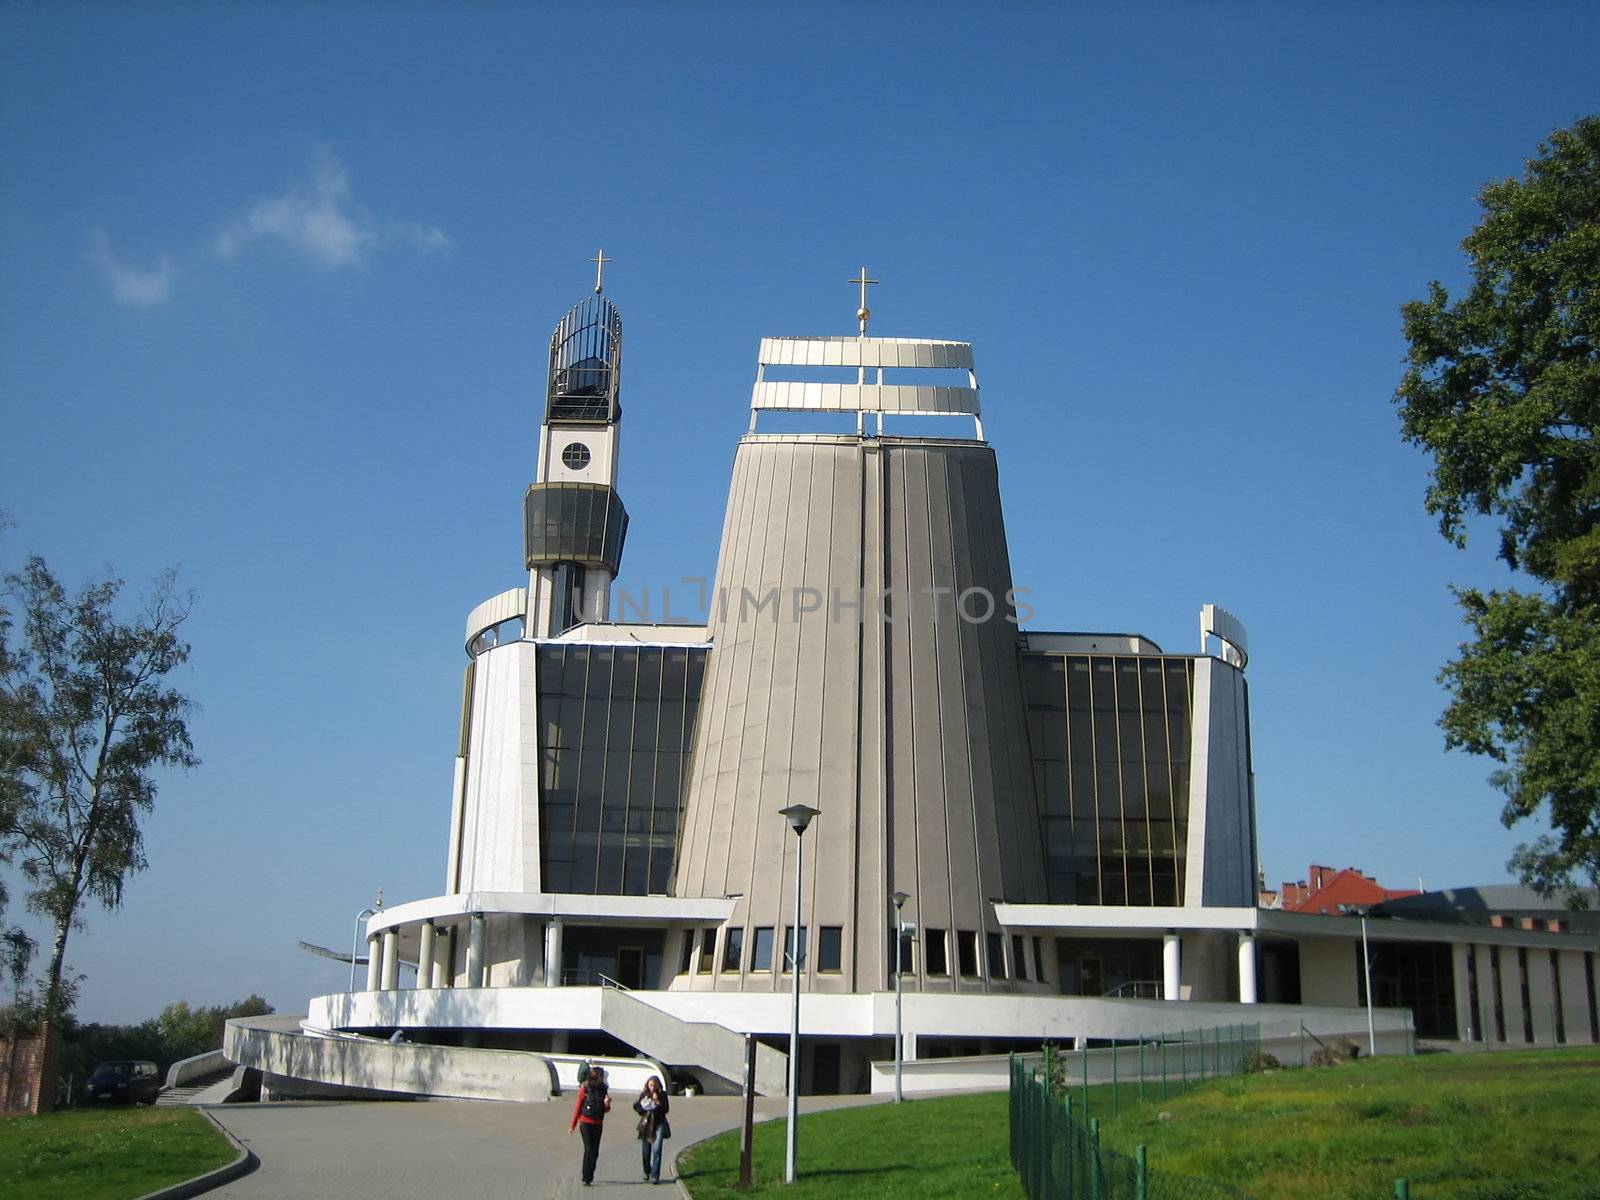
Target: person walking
652	1106
589	1118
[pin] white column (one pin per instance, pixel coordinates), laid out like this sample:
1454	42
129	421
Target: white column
391	959
1247	969
1171	971
475	939
425	957
374	960
552	953
440	965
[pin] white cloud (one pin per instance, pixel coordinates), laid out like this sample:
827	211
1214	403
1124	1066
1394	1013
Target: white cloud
324	222
129	284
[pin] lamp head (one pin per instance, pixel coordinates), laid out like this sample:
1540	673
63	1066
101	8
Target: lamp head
799	816
898	899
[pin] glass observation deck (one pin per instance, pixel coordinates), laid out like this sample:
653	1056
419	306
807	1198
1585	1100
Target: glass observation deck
586	364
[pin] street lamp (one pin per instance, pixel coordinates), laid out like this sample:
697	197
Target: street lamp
1366	966
355	941
899	899
799	817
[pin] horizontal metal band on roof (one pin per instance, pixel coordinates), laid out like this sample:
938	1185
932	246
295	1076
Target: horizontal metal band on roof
865	397
865	352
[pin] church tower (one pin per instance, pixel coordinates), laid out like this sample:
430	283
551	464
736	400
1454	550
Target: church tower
574	522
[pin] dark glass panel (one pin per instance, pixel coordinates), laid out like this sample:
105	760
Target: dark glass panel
789	954
1102	684
935	953
830	948
997	958
967	951
761	949
1127	685
1078	691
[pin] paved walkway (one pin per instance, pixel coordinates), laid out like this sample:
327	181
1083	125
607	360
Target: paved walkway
459	1150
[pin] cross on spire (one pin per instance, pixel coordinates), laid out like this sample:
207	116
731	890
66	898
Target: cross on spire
863	313
600	260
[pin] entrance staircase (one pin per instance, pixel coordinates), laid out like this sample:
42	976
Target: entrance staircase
194	1091
703	1047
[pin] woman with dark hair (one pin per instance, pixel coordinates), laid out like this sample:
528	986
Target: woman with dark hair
589	1118
652	1106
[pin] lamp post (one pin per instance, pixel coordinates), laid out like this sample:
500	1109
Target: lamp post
899	899
799	817
1366	965
355	941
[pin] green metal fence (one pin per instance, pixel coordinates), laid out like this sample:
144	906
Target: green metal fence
1151	1068
1055	1143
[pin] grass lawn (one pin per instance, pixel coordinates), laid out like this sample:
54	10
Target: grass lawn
922	1150
106	1154
1519	1125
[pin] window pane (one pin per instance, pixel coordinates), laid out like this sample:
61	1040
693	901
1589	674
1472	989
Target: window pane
967	951
789	956
908	945
997	958
936	952
688	952
830	948
761	949
708	949
732	949
1019	960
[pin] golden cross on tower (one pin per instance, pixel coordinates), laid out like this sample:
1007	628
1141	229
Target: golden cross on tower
600	260
863	313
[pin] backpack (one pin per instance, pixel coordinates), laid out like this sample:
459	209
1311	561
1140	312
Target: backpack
594	1104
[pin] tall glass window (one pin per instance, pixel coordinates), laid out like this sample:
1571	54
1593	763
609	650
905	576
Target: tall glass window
615	727
761	949
1110	742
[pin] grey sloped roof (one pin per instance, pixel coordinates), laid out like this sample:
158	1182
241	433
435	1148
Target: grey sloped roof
1475	905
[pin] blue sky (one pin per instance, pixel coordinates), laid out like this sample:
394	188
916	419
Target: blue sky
278	279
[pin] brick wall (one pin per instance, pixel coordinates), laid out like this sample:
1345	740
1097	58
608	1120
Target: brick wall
29	1070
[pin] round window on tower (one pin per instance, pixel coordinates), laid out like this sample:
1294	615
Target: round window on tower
575	456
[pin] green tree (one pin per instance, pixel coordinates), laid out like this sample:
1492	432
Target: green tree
85	715
187	1031
1503	391
16	947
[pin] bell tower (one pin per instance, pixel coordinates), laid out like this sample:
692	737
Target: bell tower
574	522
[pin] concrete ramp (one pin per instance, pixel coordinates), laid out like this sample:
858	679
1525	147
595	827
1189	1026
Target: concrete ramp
704	1047
294	1062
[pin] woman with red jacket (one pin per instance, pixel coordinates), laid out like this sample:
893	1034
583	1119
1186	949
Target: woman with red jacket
589	1116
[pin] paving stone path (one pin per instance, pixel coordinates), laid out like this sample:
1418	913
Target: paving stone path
459	1150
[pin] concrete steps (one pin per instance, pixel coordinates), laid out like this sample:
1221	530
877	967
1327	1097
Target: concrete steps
189	1093
701	1046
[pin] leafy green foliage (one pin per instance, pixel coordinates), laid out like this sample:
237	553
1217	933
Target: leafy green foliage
85	715
179	1032
1503	391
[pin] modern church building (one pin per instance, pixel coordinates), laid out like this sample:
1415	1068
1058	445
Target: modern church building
1057	828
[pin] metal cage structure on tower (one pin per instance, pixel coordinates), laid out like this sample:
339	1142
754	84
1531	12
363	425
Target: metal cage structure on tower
586	364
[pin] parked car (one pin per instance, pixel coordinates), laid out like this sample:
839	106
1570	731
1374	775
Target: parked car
123	1082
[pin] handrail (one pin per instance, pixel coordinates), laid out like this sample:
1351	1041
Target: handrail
1314	1037
1154	985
